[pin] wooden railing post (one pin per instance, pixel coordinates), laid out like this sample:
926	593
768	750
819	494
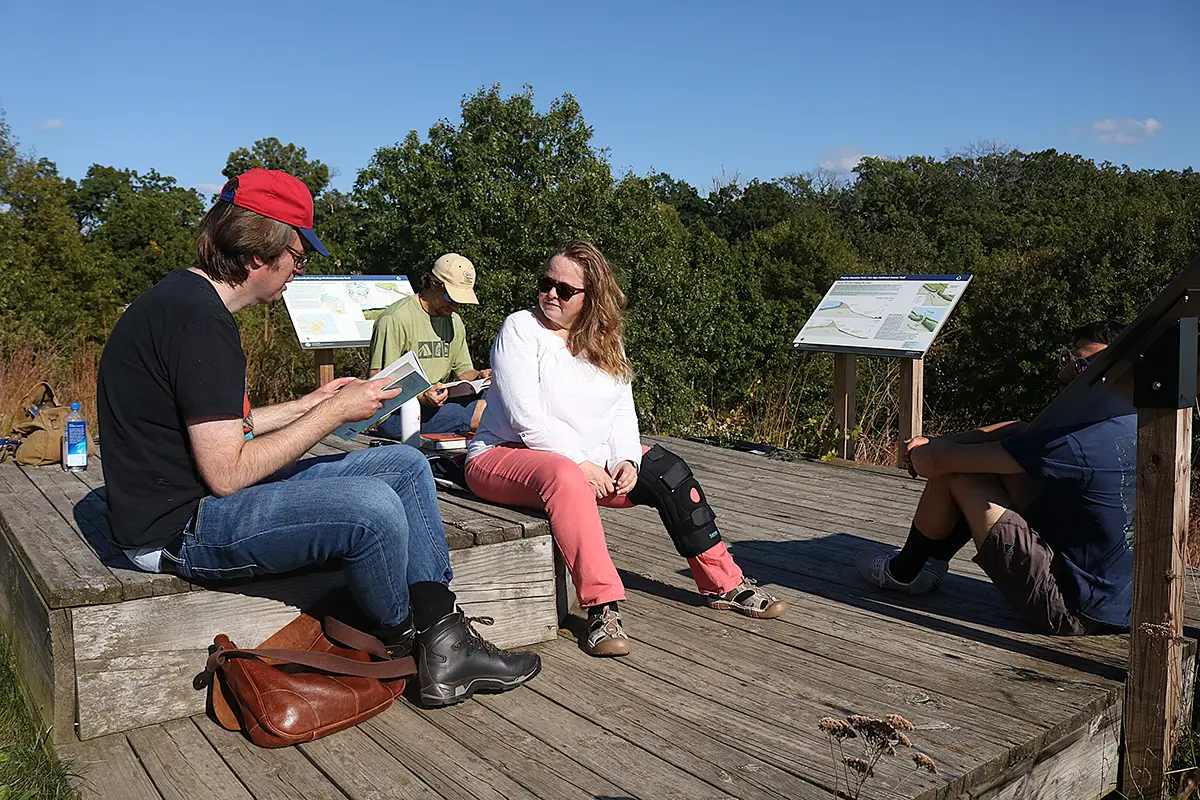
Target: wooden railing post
912	401
845	368
323	359
1164	391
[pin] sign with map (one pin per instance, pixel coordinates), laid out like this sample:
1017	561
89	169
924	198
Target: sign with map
882	315
339	310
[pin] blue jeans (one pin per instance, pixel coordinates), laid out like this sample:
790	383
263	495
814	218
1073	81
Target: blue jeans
374	509
453	416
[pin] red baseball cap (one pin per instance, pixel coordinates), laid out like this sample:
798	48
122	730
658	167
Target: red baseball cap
279	196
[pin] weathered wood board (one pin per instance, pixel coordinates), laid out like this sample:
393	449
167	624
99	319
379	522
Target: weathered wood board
135	660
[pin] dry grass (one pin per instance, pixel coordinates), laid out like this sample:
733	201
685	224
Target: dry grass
68	366
875	739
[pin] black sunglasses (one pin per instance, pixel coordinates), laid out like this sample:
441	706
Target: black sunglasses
565	291
1080	363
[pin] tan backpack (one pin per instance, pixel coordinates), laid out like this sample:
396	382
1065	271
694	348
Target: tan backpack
41	428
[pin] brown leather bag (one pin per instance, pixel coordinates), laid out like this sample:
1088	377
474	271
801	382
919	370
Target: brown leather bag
298	685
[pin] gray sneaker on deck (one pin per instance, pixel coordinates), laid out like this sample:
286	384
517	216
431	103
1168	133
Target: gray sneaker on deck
872	564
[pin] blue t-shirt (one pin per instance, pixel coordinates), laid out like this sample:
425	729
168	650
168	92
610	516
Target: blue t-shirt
1086	510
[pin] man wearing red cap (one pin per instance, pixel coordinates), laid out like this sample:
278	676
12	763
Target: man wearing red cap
200	485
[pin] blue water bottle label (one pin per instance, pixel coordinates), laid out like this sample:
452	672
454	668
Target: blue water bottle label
76	444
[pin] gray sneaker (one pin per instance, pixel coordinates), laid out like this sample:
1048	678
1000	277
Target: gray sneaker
873	566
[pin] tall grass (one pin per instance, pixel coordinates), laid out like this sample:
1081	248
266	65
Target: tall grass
28	767
791	407
68	364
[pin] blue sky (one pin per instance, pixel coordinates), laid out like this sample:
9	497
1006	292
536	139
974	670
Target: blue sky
699	90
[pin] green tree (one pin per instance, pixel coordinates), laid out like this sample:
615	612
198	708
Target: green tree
50	280
270	153
145	222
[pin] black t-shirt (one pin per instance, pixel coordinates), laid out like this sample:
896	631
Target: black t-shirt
1088	474
175	355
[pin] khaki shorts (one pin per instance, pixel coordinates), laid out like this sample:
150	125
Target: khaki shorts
1021	564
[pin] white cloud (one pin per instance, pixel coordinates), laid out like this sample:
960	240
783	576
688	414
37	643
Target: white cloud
843	160
1126	130
51	125
208	188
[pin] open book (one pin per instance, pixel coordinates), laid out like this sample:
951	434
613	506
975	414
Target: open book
405	374
466	388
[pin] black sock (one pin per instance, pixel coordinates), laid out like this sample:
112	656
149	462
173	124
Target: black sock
431	602
597	610
906	565
948	548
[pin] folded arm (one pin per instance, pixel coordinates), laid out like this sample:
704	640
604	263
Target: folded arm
941	457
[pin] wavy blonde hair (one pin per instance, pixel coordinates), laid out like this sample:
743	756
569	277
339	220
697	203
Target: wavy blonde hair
599	331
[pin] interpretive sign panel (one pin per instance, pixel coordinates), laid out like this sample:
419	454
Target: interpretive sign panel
882	315
338	310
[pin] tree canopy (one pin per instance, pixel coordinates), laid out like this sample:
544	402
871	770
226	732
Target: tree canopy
718	282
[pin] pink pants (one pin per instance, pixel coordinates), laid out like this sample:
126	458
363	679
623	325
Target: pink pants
514	475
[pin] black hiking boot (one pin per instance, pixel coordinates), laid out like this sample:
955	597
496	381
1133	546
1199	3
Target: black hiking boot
454	662
398	639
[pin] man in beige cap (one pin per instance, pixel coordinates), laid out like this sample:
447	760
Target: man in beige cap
428	324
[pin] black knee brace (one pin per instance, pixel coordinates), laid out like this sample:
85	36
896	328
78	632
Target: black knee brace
666	482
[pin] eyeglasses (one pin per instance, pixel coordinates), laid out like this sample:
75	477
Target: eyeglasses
300	259
1067	356
565	291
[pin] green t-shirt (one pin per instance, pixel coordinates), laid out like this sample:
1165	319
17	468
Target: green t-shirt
439	342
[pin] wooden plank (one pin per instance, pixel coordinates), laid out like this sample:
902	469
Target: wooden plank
912	401
688	730
106	768
755	686
86	510
1164	450
63	567
270	774
323	363
970	610
519	755
497	523
438	760
845	414
512	582
154	646
637	772
809	470
42	646
362	769
895	650
182	764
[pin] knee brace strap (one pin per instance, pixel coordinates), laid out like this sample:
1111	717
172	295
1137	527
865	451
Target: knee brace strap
666	482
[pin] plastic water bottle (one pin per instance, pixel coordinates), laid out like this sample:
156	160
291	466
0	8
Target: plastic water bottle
75	441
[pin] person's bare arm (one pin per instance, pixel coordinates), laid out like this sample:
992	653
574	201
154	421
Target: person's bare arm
228	462
270	418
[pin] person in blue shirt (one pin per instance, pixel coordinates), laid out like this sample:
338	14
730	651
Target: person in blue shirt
1050	511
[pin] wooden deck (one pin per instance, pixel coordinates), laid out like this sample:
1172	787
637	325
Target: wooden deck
711	704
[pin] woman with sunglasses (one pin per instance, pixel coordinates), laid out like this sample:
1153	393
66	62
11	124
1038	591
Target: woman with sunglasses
560	433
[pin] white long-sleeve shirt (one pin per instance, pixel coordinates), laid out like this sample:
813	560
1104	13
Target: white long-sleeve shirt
547	399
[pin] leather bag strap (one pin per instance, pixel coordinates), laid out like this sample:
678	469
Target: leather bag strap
326	662
354	638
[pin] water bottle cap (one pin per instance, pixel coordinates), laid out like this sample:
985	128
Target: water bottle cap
74	406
